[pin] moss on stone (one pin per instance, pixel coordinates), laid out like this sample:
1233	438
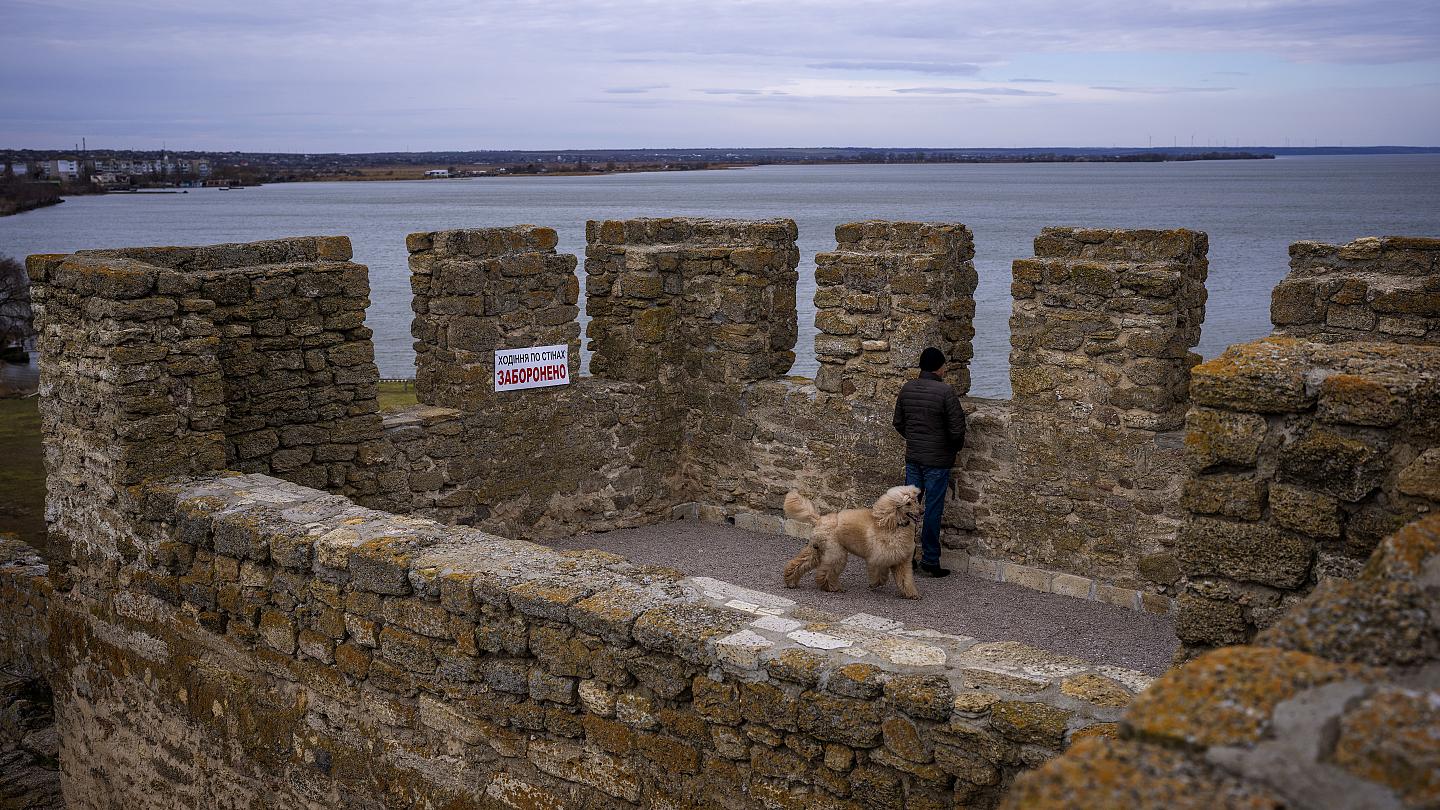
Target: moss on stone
1226	697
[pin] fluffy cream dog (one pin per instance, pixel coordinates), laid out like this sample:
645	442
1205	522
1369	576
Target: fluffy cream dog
882	536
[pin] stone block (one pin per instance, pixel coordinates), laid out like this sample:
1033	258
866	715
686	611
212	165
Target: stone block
1388	738
925	696
1360	400
1345	466
595	769
1160	567
277	631
552	688
986	569
1305	511
1097	690
1265	376
1421	477
1031	723
1226	696
1127	598
1234	496
1249	552
839	719
1036	579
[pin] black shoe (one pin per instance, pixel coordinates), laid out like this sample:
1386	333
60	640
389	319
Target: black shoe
932	570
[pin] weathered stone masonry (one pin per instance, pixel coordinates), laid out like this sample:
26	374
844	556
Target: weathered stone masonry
1308	451
1336	705
285	645
241	636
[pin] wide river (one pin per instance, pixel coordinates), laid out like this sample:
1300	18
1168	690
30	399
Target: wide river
1252	210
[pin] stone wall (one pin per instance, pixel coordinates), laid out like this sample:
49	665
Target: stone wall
284	643
1305	456
1385	289
887	291
1310	446
238	635
1336	705
476	291
253	356
29	742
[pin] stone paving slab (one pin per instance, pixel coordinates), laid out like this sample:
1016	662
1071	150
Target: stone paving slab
958	607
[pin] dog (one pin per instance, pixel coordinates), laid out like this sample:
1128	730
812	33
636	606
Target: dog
883	536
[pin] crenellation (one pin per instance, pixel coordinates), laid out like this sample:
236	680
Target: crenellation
888	290
479	290
1104	321
198	402
1380	288
713	300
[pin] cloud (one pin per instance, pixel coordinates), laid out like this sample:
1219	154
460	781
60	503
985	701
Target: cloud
307	76
1159	91
643	88
974	91
935	68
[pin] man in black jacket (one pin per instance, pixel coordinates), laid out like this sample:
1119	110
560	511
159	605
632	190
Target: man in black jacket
928	415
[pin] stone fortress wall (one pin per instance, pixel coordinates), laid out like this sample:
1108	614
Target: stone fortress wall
240	633
687	410
1312	445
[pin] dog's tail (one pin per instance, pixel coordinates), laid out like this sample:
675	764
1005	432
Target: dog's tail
798	507
801	564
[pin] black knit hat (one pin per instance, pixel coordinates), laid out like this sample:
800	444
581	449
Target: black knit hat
931	359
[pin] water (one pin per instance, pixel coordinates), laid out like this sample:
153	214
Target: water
1252	211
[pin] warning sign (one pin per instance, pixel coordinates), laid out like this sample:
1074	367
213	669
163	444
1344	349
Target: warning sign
536	367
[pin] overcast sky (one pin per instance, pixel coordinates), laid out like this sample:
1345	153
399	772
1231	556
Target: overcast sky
356	75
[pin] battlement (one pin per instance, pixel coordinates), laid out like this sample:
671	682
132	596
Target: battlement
888	290
300	617
1105	320
1383	289
691	300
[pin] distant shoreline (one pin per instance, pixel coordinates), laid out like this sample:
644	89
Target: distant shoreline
391	172
237	168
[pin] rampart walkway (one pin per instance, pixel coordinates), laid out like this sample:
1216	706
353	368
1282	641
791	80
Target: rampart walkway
989	611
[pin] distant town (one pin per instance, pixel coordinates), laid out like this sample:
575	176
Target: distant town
33	178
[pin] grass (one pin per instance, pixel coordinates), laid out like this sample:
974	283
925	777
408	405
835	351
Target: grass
22	471
396	396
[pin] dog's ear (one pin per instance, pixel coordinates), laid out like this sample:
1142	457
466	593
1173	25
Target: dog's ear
886	512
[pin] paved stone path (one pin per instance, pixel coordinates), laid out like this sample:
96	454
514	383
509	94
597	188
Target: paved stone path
989	611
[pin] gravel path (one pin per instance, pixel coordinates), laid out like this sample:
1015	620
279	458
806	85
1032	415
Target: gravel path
989	611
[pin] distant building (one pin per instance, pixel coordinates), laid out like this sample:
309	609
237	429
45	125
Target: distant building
198	167
438	173
62	169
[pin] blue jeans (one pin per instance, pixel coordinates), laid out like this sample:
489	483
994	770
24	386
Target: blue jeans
933	482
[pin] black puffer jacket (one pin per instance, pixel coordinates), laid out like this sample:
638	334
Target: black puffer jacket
928	415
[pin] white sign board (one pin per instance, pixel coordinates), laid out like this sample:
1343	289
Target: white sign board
535	367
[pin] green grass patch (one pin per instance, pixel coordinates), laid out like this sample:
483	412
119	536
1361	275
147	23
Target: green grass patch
22	471
395	396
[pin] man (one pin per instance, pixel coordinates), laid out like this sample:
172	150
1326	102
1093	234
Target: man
928	415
